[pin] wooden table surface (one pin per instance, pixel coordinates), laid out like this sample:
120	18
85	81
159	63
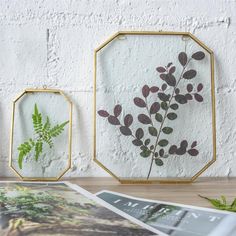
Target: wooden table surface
179	193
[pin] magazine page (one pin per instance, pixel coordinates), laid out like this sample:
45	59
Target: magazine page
174	219
60	209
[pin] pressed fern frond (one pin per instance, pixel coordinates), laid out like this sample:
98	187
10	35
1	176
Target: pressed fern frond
46	138
47	125
44	134
37	120
38	149
24	149
57	129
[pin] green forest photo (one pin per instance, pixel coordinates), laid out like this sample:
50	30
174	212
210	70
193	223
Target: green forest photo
56	209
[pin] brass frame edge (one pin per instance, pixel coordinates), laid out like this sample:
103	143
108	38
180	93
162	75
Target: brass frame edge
32	90
153	181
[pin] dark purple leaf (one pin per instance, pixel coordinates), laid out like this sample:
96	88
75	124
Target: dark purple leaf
181	99
159	162
151	147
188	96
161	152
155	107
169	64
189	88
172	70
137	142
194	144
190	74
163	97
163	76
199	87
198	55
171	116
103	113
170	80
156	154
117	110
193	152
183	58
172	149
125	130
128	120
113	120
158	117
154	89
144	119
177	91
139	102
161	69
139	133
163	142
181	151
152	131
147	141
164	87
184	144
174	106
145	91
198	97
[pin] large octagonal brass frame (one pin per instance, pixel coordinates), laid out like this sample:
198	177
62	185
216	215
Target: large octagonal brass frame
44	90
141	181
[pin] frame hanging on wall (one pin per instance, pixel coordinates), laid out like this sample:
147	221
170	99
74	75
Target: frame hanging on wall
40	142
154	107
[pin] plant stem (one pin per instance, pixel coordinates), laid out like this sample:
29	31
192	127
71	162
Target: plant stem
165	115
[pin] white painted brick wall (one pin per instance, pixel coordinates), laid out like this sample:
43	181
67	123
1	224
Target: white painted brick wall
77	27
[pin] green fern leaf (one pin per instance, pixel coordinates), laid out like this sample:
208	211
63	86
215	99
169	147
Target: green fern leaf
24	149
57	129
31	141
46	138
38	149
37	120
47	125
44	134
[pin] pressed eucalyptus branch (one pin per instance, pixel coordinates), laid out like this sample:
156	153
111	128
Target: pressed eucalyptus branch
170	80
44	134
159	111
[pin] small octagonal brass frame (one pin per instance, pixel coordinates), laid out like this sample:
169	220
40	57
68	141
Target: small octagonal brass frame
177	180
55	91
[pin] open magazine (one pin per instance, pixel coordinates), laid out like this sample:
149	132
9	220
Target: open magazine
174	219
61	208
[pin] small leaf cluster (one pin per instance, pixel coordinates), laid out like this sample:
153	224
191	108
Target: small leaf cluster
183	149
222	204
44	133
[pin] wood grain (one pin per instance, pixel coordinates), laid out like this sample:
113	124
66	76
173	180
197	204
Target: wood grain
179	193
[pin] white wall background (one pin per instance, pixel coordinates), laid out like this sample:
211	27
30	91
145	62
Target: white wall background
76	28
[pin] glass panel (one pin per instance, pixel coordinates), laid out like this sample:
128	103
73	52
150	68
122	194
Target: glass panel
52	158
153	107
